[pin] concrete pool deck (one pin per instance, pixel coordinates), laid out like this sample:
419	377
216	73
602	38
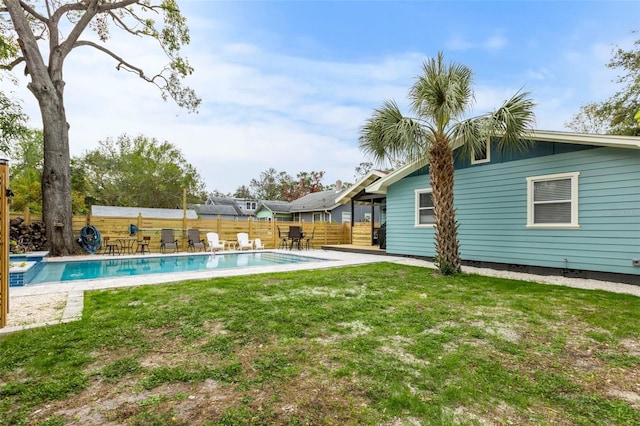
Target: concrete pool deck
69	296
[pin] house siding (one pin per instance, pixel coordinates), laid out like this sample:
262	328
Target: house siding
491	203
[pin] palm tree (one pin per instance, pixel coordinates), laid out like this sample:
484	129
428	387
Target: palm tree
439	100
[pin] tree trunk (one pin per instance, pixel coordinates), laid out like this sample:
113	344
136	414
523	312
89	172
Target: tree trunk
47	86
441	171
56	171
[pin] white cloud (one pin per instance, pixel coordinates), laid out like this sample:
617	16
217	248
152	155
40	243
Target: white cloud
492	42
265	108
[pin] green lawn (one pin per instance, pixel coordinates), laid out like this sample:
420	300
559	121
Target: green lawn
376	344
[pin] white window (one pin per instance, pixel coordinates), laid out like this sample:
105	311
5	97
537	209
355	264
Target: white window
318	217
482	155
424	208
552	201
346	217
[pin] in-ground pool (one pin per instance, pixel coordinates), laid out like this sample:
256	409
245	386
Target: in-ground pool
54	271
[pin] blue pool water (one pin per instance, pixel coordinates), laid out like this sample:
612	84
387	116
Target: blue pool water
122	267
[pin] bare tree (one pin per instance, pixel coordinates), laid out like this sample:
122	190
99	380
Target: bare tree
47	20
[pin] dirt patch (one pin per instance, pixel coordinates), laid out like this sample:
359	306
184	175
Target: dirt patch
632	346
395	346
28	310
633	398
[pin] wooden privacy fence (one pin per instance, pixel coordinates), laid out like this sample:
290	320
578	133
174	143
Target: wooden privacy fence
118	227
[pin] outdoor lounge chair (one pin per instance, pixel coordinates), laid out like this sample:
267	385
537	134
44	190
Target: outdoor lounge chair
194	240
168	241
258	244
214	241
244	242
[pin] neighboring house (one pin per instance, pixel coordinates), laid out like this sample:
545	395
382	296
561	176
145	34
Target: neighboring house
146	212
322	207
270	210
226	208
570	204
247	206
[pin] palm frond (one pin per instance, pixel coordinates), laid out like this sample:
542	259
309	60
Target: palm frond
513	122
443	92
388	135
469	135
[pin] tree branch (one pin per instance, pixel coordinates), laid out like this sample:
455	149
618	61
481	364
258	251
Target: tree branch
11	65
84	5
31	11
125	27
122	64
90	11
28	42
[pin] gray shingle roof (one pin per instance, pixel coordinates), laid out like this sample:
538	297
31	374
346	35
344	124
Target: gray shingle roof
276	206
147	212
316	201
227	210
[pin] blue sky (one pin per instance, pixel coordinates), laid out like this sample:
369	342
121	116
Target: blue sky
288	84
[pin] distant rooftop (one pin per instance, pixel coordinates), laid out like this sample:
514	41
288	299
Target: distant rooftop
147	212
315	201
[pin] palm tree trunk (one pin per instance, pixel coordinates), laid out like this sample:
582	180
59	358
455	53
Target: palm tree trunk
441	171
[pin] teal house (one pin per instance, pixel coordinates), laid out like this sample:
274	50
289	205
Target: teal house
569	205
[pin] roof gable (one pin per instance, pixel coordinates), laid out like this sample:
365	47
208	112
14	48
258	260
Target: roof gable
274	206
360	186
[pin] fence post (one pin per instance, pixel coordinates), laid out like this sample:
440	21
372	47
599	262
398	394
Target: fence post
4	241
274	229
325	233
27	216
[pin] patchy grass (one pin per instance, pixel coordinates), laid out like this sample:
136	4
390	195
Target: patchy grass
377	344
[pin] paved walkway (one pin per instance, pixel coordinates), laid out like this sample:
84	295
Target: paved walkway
327	259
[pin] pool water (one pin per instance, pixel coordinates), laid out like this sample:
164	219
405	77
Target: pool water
112	268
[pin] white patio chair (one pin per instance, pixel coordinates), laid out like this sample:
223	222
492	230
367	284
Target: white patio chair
258	244
214	241
244	242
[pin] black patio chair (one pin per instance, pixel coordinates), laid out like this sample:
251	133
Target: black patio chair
168	241
295	235
283	239
195	242
110	247
309	239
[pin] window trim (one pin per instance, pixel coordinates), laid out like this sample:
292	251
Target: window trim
487	158
417	223
574	200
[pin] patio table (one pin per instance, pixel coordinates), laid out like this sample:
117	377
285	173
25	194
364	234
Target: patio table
126	245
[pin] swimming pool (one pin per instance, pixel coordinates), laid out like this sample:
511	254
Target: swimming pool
54	271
